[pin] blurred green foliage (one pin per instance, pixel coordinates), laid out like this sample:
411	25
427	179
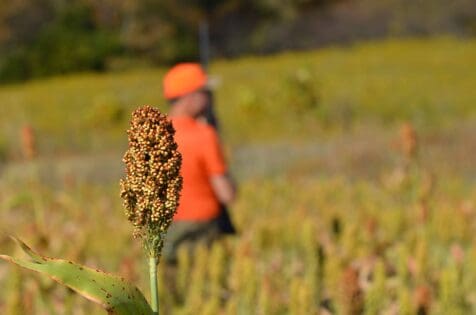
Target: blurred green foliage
44	37
70	42
106	112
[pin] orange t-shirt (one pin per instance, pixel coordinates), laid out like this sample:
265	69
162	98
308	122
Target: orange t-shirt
201	158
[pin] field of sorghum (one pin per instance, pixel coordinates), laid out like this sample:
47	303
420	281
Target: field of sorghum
342	209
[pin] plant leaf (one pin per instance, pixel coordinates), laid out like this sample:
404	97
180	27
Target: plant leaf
113	293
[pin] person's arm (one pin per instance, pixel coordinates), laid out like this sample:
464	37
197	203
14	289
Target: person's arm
221	183
224	188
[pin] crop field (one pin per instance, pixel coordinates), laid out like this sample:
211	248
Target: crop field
356	174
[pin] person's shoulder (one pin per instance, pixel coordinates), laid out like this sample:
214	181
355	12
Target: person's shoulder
184	123
205	128
206	131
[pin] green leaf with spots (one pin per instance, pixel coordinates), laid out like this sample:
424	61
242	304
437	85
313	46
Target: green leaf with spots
113	293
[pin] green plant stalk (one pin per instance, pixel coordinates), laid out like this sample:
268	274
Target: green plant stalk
154	292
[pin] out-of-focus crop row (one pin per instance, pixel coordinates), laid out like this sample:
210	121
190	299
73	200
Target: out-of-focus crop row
305	244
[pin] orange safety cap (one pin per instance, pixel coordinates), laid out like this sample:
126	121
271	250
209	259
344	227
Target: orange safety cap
182	79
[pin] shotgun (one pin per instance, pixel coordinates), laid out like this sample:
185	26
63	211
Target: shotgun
224	220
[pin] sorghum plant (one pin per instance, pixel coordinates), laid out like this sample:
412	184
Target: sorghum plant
152	184
150	191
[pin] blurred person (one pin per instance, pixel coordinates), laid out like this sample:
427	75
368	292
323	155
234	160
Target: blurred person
207	187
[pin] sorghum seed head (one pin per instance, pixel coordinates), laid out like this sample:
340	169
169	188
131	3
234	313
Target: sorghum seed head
409	142
151	188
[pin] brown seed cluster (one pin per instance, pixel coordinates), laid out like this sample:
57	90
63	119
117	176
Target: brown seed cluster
152	185
352	294
408	140
28	142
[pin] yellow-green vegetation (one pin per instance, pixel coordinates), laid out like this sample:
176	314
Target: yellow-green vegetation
291	95
344	225
298	239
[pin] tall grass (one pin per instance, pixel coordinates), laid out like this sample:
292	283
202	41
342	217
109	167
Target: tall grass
299	237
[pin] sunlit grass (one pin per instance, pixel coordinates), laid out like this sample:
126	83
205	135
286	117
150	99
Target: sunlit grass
293	230
294	95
